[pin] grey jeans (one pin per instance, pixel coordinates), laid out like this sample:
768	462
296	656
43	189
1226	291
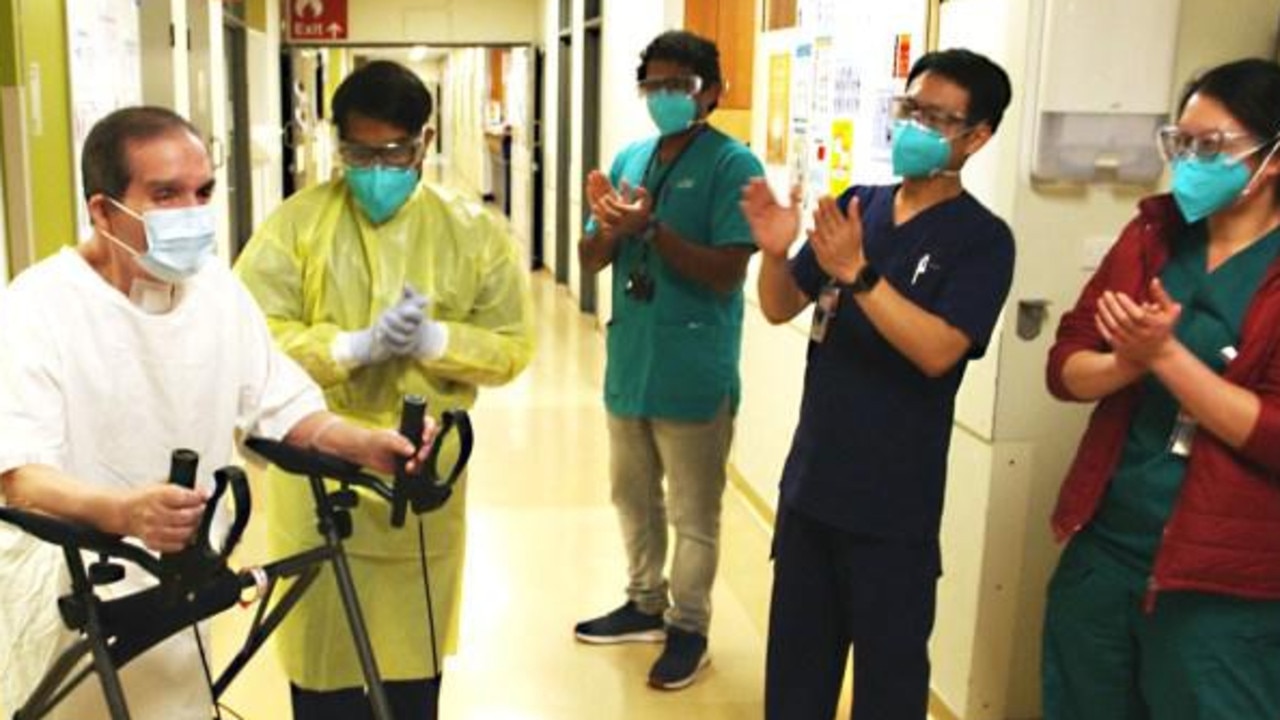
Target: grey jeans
692	456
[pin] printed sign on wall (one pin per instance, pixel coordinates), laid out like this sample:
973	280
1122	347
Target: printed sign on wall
779	100
317	19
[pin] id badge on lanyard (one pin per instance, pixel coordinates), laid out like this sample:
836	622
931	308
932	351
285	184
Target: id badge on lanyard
1184	427
824	311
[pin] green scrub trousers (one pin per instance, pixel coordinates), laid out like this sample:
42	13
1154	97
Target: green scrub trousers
1197	656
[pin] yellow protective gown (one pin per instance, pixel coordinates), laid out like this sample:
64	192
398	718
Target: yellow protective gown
319	267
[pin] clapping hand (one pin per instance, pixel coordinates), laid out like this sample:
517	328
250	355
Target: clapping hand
837	239
620	212
1138	332
773	226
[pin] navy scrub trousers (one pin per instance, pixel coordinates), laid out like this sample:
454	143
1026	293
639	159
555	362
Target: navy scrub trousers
833	589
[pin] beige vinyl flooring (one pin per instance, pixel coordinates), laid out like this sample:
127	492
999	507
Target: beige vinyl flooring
544	552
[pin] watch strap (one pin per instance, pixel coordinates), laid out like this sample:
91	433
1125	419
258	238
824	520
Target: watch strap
865	280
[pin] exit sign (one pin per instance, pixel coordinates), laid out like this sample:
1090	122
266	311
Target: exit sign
317	19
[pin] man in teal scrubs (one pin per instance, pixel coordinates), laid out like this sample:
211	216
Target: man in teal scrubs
667	218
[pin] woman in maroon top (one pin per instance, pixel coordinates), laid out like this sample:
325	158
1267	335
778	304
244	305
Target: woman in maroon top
1166	602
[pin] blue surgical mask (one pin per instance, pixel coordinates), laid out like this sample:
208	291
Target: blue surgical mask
179	240
672	112
1202	187
918	151
381	191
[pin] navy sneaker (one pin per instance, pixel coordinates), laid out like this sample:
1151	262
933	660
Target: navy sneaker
683	656
626	624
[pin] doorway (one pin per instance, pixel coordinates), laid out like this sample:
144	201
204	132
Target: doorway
536	259
564	140
590	128
239	171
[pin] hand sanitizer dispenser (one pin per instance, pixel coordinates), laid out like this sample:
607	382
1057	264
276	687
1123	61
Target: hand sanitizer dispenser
1106	83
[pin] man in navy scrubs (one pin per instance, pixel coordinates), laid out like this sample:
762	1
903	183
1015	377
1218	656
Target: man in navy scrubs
908	281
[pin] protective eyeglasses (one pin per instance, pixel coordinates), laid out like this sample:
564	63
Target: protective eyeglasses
679	84
905	107
395	154
1177	144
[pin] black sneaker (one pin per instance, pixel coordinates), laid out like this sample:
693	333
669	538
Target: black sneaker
626	624
683	656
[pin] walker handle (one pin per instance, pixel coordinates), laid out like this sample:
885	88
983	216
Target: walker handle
413	413
182	467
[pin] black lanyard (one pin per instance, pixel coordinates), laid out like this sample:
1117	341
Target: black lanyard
653	158
655	194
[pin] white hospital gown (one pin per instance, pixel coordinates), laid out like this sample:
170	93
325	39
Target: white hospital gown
92	385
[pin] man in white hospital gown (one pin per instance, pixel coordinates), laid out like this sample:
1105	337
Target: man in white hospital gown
116	352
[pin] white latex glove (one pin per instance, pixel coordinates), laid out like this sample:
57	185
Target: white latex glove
398	325
359	347
393	334
429	337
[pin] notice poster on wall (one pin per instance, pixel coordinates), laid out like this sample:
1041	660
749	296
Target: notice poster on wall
855	55
841	174
800	109
846	90
881	128
105	71
801	80
779	112
818	179
846	99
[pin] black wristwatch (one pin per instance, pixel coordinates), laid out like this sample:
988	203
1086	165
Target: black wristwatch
866	279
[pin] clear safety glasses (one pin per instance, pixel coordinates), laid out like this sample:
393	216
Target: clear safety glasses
905	107
396	154
1177	144
679	84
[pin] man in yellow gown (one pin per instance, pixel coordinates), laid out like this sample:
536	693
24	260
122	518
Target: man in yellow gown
380	285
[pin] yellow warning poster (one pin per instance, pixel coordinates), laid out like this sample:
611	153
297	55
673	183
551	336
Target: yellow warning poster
779	109
841	175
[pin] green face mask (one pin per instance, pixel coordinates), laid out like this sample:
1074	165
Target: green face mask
381	191
672	112
918	151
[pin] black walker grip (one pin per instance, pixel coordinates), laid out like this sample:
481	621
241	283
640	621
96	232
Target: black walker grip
413	414
434	491
235	478
182	467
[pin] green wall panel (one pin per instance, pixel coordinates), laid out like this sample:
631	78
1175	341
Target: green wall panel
43	32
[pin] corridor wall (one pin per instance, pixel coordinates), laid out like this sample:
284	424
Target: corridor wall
37	124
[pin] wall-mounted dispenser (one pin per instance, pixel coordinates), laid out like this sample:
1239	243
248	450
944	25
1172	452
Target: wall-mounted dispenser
1106	84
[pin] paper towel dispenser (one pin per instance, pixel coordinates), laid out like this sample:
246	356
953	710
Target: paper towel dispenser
1106	85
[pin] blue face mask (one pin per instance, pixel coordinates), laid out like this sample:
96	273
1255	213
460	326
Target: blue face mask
381	191
179	240
1203	187
672	112
918	151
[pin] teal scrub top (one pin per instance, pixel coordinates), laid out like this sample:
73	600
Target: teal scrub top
675	356
1141	495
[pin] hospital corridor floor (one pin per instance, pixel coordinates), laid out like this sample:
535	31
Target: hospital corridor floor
543	552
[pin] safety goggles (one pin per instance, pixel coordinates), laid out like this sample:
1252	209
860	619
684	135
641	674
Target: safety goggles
905	107
1177	144
679	84
404	153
